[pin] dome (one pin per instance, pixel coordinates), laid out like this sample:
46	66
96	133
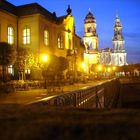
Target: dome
90	18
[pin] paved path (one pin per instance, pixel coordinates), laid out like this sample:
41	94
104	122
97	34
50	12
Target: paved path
29	96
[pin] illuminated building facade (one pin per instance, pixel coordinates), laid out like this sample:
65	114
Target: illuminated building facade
118	55
90	39
105	56
32	26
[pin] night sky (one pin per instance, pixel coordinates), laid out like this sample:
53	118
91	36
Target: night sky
105	12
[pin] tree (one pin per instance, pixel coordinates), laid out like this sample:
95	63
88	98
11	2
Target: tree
55	67
25	59
7	57
63	63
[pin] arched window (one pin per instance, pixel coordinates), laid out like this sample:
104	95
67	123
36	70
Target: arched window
46	37
26	35
89	29
60	42
10	35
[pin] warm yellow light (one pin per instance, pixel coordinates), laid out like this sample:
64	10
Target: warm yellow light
114	68
108	69
83	65
66	40
44	58
100	67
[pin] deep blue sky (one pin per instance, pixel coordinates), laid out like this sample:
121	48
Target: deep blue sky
105	13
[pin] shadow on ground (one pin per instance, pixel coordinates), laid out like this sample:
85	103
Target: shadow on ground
41	123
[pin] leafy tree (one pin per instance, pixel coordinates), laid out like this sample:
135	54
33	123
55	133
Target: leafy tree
63	63
7	57
94	68
25	59
55	67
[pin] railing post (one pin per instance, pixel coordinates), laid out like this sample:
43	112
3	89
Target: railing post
96	97
75	103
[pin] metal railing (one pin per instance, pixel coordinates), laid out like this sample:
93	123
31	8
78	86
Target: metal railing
102	95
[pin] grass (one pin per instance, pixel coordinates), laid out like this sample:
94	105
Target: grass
41	122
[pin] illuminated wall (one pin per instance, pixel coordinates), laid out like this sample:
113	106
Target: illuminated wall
118	55
7	19
61	32
90	39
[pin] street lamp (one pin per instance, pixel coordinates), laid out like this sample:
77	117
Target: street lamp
44	61
114	68
109	69
99	69
44	58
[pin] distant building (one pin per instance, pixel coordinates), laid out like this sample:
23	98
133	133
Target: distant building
115	56
90	39
105	56
32	26
118	55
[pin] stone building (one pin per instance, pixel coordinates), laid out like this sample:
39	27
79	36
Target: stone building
105	56
32	26
90	39
118	55
115	56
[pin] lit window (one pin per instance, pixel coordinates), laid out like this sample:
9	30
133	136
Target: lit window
46	37
60	42
10	35
26	35
10	69
28	71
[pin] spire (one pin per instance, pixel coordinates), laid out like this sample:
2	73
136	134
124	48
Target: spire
69	10
89	10
117	15
90	17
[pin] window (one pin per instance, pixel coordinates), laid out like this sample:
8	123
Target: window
46	38
10	69
28	71
89	30
60	42
26	35
10	35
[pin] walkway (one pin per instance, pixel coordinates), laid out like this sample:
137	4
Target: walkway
32	95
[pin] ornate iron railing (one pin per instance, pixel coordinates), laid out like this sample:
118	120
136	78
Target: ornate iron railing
102	95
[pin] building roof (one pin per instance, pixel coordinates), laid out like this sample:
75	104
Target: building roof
6	6
29	9
90	18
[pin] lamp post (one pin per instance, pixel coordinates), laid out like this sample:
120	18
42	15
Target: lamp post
44	60
108	70
114	69
99	68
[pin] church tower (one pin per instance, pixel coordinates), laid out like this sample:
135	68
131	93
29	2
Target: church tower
118	56
90	39
90	35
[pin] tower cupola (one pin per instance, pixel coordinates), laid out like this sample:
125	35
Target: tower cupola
118	56
90	18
